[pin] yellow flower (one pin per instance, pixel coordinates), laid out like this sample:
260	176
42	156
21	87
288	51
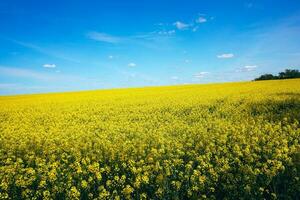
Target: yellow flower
127	191
74	193
145	179
84	184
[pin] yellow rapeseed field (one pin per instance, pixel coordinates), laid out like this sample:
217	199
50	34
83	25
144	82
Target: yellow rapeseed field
214	141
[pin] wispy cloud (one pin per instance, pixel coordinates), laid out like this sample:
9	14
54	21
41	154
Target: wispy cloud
7	85
24	73
181	25
271	46
226	55
201	20
43	50
170	32
15	86
152	40
35	75
200	74
21	88
247	68
131	64
104	37
193	25
44	82
49	65
250	67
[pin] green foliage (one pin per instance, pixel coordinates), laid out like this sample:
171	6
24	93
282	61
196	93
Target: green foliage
287	74
217	141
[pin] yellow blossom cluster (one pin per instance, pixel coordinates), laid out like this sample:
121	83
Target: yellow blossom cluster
215	141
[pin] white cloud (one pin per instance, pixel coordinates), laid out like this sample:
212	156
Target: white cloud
131	64
103	37
170	32
174	78
49	65
201	20
200	74
226	55
249	68
180	25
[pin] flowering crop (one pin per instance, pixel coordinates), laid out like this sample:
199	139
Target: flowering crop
216	141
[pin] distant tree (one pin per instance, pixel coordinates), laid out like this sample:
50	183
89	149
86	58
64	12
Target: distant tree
288	73
266	77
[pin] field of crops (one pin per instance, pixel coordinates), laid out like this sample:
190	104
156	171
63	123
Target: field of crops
215	141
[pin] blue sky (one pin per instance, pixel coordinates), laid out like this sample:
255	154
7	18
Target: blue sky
69	45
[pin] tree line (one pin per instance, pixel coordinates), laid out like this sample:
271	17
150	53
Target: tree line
287	74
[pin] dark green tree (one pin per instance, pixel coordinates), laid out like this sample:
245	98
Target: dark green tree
287	74
266	77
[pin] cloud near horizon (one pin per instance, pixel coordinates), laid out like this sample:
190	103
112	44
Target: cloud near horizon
247	68
250	67
226	55
49	65
200	74
25	73
37	75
